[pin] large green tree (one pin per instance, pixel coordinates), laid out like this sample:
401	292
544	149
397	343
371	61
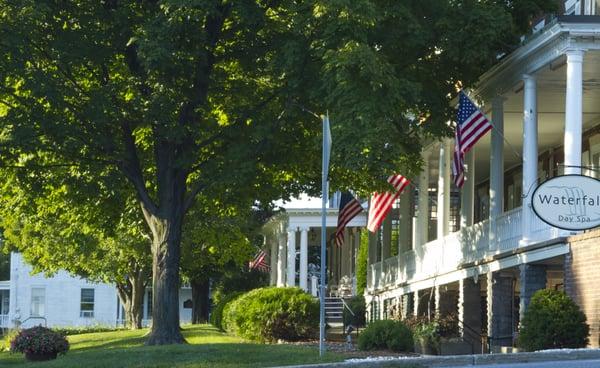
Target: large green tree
215	238
91	227
186	96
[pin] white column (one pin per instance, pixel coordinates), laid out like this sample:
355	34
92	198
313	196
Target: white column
573	111
405	220
423	204
530	153
304	258
443	195
281	262
496	168
467	196
291	257
272	242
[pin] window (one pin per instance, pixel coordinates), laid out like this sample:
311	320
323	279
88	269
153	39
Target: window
187	304
4	298
38	302
87	303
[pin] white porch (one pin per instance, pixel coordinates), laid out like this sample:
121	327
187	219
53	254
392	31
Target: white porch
293	239
543	101
4	303
460	250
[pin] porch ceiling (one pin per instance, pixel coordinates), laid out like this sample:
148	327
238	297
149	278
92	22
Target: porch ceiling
551	83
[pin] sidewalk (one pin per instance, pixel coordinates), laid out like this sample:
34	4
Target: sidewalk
464	360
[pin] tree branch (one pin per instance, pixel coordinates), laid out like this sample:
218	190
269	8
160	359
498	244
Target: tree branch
131	167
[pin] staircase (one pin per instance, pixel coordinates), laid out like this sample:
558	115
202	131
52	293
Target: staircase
334	308
334	321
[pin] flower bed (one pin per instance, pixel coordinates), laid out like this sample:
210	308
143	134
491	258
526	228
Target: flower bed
39	343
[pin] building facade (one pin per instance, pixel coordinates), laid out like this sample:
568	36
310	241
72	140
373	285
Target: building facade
63	300
481	252
293	241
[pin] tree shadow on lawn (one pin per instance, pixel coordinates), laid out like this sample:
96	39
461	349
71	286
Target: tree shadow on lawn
219	355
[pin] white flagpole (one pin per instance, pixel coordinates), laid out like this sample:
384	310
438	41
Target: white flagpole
325	192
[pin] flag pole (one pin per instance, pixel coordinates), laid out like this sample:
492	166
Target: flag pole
324	189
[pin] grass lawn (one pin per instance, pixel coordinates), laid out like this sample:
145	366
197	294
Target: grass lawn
207	348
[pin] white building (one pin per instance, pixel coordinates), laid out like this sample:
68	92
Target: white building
65	301
481	252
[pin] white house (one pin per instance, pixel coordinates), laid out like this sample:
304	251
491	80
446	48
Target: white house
65	301
481	252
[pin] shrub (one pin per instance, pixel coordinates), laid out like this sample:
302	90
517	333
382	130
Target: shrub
216	316
358	306
69	331
8	336
362	263
386	334
551	321
269	314
39	340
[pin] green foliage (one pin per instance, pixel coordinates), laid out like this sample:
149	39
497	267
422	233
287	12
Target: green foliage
270	314
4	265
7	337
234	280
207	347
386	334
70	331
216	316
553	320
359	308
362	261
39	340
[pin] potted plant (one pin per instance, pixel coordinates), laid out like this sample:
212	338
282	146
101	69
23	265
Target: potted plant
426	334
39	343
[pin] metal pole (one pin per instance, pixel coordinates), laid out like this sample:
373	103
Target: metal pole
323	239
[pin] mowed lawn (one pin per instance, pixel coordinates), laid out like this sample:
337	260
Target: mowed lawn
207	348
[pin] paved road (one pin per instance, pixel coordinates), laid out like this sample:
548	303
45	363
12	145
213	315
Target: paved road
561	364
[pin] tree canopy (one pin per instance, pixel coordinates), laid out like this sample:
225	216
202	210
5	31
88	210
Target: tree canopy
201	97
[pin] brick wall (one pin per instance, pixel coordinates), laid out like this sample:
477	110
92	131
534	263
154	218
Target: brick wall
582	278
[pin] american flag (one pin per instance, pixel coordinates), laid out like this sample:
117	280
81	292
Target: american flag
349	208
381	203
471	125
458	164
260	262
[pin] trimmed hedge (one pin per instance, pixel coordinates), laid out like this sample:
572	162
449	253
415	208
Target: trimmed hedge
386	334
552	321
270	314
216	315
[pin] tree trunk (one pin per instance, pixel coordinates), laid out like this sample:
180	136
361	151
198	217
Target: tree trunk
166	248
131	295
200	302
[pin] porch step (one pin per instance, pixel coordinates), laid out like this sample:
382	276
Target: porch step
334	309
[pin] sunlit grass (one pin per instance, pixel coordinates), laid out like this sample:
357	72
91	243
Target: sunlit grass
207	347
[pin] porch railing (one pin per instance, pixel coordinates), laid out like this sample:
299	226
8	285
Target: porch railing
4	321
468	245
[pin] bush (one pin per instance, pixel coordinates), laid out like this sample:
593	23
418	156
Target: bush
551	321
39	340
8	336
69	331
269	314
358	306
362	261
386	334
216	316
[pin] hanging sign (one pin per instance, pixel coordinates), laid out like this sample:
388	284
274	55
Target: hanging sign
570	202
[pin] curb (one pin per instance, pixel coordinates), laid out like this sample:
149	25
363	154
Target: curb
466	360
